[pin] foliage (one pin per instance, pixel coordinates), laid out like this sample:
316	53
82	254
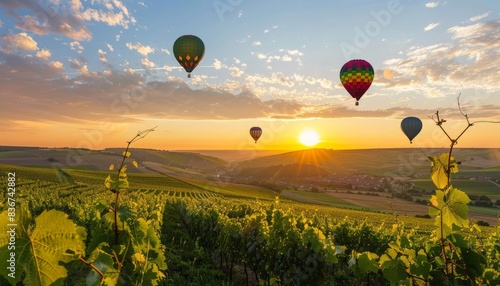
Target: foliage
40	246
123	249
452	255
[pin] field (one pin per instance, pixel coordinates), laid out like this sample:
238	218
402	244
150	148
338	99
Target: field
213	227
471	187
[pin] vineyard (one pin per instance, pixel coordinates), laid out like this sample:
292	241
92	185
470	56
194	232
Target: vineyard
213	233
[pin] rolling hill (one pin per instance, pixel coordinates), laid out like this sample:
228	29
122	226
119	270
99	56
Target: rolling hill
405	163
291	170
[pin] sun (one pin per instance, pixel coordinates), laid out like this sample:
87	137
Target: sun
309	138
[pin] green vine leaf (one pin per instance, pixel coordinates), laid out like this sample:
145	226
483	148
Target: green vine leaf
102	261
41	245
393	269
368	262
439	169
451	205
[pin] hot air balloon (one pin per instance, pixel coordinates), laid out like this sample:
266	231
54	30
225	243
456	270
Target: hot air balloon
356	77
255	132
189	51
411	126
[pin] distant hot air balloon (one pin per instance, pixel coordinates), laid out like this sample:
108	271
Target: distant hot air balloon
356	77
411	126
255	132
189	51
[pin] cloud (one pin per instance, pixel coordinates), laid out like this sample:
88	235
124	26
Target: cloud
76	46
1	23
266	31
236	72
43	19
388	73
146	63
217	64
286	58
68	19
431	26
479	17
121	18
431	4
102	56
20	41
166	51
126	97
44	54
468	59
257	43
143	50
56	65
110	47
325	83
295	52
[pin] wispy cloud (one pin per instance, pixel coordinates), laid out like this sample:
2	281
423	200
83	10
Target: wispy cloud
431	26
113	96
479	17
68	19
431	4
143	50
146	63
76	46
470	58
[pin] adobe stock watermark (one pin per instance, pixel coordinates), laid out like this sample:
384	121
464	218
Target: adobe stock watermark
223	6
364	35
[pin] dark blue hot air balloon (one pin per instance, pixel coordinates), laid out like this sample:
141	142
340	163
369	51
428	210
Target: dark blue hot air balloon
411	126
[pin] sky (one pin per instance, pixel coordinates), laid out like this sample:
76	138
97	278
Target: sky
91	74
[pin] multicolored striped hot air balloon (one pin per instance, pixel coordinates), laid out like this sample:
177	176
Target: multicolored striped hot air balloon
356	77
411	126
189	51
255	132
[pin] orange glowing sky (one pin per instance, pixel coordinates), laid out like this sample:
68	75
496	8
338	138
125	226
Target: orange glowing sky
111	72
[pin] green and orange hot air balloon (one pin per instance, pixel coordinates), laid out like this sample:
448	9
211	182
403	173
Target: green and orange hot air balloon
189	51
356	77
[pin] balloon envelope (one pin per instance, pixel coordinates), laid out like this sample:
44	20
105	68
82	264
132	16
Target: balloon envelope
356	77
255	132
411	126
189	51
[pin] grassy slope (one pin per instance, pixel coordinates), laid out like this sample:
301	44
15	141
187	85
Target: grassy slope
380	161
471	187
227	190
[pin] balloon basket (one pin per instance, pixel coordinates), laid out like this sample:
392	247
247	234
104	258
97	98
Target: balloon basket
357	103
189	75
